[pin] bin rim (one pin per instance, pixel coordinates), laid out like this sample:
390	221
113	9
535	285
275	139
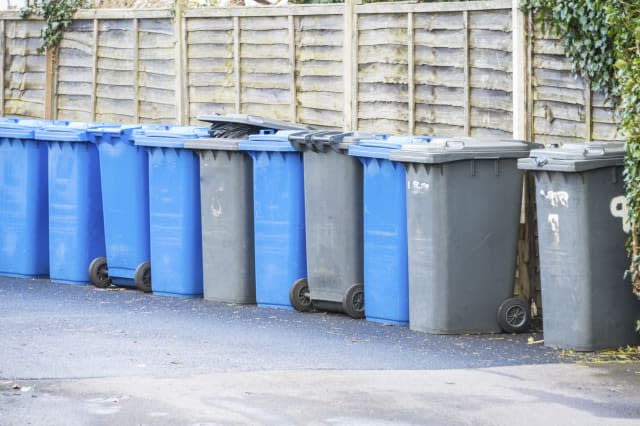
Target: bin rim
171	137
381	145
575	157
213	144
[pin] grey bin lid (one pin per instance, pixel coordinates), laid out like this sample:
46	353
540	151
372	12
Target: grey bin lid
214	144
575	157
446	150
253	120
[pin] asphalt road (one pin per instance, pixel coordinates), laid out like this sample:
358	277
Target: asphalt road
80	355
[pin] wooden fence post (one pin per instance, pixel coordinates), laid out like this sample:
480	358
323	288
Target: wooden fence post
182	99
350	65
519	71
2	49
51	70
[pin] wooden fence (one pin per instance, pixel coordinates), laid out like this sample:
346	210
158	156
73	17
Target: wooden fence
436	68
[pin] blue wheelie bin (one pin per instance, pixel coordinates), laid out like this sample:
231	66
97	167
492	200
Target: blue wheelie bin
76	229
278	202
24	226
125	201
386	282
174	210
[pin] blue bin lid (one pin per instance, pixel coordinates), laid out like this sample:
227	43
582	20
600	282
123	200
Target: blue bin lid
168	137
73	132
269	140
575	157
25	129
381	145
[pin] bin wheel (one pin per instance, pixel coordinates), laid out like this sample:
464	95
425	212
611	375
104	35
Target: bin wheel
99	272
514	315
142	277
299	295
353	302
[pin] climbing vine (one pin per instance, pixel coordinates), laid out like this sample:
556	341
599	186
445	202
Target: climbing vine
601	38
57	16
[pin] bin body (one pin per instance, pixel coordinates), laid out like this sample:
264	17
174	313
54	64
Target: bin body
386	281
76	227
125	200
587	302
24	216
227	220
333	218
278	215
174	211
463	210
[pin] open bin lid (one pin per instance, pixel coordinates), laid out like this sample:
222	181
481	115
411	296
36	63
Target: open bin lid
169	136
268	140
446	150
253	120
25	129
380	146
575	157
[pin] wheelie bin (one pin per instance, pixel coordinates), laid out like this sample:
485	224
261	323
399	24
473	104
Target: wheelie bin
278	216
174	210
333	224
463	210
24	212
582	228
386	282
227	220
76	228
125	201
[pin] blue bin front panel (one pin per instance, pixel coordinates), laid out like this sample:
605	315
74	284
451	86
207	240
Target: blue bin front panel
279	225
76	228
125	195
174	212
24	226
386	279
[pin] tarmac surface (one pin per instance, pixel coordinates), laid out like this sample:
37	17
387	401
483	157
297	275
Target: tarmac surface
77	355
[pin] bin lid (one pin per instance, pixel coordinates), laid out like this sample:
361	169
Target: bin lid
381	145
214	144
253	120
25	129
168	136
268	140
446	150
72	132
320	141
575	157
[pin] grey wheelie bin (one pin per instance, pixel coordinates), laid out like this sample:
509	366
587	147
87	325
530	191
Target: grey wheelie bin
463	210
333	223
226	194
582	228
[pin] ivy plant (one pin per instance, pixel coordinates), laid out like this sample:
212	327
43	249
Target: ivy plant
601	38
57	16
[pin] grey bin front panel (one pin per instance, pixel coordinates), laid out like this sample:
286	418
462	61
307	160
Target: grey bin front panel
586	302
333	209
226	189
462	223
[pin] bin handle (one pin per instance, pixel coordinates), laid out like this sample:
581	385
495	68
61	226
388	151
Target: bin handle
594	150
267	132
541	161
421	139
380	136
454	144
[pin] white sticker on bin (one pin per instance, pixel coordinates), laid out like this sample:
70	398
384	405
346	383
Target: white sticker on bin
557	198
417	187
618	207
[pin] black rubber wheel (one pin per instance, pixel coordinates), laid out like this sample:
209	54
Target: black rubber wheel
353	302
299	295
514	315
99	272
142	277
